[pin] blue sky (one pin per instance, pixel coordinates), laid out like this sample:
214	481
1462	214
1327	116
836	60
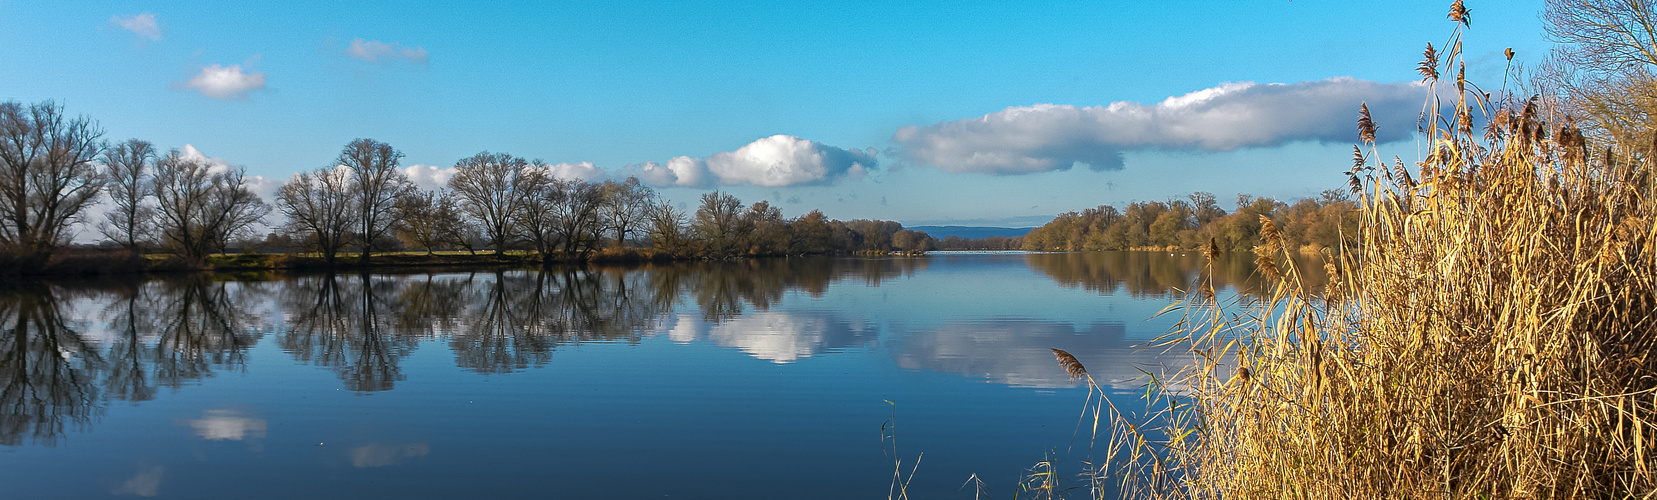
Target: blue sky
921	112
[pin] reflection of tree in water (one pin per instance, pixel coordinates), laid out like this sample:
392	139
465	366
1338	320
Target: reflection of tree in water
203	324
161	333
347	324
132	314
48	372
724	289
518	318
1157	274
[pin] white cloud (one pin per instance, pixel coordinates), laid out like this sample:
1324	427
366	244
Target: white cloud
384	454
1046	137
375	50
774	336
147	483
775	161
143	25
264	187
429	177
584	171
681	171
226	82
228	425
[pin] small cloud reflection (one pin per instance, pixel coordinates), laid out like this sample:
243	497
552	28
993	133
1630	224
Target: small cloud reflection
147	483
385	454
775	336
1015	352
228	425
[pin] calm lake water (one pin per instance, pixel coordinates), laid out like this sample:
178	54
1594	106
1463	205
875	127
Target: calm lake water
756	379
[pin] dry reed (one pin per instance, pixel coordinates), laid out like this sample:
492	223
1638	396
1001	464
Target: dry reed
1492	337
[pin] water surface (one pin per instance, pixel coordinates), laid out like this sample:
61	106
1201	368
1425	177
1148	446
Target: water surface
755	379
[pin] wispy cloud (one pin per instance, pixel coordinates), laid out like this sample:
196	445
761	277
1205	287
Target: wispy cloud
375	50
225	82
1047	137
228	425
775	161
384	454
144	25
146	483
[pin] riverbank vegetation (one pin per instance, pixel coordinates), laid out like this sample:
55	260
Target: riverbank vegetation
178	210
1309	226
1488	337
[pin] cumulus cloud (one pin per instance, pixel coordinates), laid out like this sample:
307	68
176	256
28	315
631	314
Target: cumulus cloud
146	483
225	82
144	25
375	50
1046	137
260	185
228	425
775	161
679	171
584	171
429	177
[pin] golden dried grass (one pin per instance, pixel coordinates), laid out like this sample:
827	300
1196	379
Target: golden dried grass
1492	337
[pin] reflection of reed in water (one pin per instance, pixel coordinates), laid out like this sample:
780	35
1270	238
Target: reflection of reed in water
1157	274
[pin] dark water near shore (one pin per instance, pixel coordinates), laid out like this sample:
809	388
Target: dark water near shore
757	379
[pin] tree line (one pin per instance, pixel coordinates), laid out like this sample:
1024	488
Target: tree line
1311	225
53	168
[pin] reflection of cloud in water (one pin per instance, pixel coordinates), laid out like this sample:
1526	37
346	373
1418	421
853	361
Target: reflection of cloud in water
147	483
1016	352
384	454
776	336
228	425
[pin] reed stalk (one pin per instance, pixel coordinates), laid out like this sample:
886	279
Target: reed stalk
1491	337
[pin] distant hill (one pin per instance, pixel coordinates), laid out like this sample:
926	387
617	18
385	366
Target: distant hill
971	232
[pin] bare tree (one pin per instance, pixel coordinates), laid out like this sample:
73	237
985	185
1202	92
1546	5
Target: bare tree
578	219
537	223
129	167
494	188
1604	65
376	184
321	204
429	219
668	230
201	207
47	174
720	224
624	207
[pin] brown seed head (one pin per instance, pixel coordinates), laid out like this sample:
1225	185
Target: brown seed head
1070	364
1366	126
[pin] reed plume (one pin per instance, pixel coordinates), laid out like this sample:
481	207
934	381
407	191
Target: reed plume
1490	337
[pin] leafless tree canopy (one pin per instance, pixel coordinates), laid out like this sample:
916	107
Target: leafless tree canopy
377	182
320	206
430	219
494	188
624	206
129	165
1605	65
201	209
48	174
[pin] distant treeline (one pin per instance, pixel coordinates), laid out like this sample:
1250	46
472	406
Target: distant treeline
53	168
1310	225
